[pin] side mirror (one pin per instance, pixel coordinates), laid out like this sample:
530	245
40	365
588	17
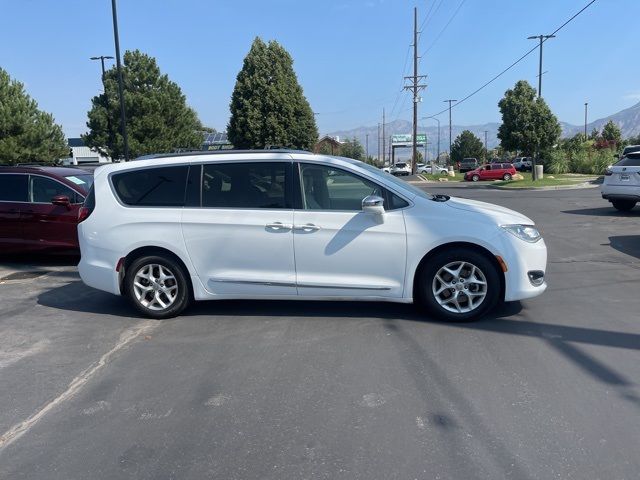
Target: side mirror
373	204
61	200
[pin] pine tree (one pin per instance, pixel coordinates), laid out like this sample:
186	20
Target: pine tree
27	134
466	145
268	106
158	117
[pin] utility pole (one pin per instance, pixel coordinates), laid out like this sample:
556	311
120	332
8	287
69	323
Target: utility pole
123	117
415	88
486	152
585	120
450	101
102	58
367	147
541	39
384	147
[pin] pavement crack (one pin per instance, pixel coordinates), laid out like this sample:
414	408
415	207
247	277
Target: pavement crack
127	337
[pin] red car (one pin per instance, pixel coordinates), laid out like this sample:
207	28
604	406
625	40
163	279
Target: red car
491	171
39	208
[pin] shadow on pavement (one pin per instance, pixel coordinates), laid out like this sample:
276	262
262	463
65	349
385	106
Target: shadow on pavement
629	244
77	297
604	212
24	261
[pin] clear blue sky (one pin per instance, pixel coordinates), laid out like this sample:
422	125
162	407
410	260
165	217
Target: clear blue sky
348	54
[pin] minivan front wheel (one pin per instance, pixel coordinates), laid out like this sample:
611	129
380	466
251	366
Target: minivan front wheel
475	178
459	285
157	287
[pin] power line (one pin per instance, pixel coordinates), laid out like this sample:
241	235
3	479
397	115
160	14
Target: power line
529	52
404	71
427	19
444	28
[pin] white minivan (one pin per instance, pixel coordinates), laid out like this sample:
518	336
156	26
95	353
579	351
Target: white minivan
167	230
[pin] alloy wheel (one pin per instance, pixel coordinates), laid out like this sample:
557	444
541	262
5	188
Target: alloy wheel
155	287
459	287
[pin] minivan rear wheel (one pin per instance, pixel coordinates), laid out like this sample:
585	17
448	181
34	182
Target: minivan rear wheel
459	285
623	205
157	286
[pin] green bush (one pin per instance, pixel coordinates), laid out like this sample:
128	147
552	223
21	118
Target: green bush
582	159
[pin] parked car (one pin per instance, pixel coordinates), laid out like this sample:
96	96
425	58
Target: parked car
422	168
386	169
294	225
523	164
621	184
491	171
468	164
401	169
39	207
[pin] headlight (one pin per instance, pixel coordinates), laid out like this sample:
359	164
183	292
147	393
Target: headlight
528	233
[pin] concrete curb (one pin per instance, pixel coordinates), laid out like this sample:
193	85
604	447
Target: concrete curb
559	187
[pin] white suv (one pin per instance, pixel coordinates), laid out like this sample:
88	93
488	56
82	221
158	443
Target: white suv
294	225
400	169
622	182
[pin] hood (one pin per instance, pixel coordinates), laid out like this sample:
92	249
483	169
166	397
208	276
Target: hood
501	215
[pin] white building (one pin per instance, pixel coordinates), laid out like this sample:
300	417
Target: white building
81	154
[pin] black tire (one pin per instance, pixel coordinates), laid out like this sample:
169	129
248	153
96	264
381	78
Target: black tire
475	178
426	283
623	205
506	177
181	299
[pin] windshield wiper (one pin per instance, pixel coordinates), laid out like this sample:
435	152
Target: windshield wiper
440	198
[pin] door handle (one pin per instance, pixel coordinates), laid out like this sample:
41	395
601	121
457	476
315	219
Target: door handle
309	227
278	226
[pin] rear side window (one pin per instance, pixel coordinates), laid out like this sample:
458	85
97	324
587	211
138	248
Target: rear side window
246	185
631	160
152	187
13	188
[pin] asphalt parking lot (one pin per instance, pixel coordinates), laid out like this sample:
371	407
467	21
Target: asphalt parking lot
545	388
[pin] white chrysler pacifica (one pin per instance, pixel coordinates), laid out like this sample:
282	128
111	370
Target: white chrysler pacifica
167	230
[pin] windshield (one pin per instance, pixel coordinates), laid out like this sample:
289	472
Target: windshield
84	180
394	180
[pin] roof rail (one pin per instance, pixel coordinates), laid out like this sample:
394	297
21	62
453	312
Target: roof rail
219	152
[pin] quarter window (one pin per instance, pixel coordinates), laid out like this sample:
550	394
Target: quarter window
152	187
245	185
13	188
43	189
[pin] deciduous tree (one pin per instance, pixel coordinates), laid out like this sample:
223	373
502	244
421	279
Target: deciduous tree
527	122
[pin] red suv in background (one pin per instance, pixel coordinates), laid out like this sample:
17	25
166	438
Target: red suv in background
491	171
39	208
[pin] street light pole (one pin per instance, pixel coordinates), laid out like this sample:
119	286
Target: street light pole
585	120
123	117
541	39
437	120
450	101
486	152
102	58
367	147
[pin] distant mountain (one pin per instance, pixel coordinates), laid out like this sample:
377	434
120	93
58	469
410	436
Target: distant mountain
628	120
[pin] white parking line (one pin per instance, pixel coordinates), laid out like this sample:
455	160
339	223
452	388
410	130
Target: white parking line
127	337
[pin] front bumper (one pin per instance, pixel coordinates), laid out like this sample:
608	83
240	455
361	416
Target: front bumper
524	261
